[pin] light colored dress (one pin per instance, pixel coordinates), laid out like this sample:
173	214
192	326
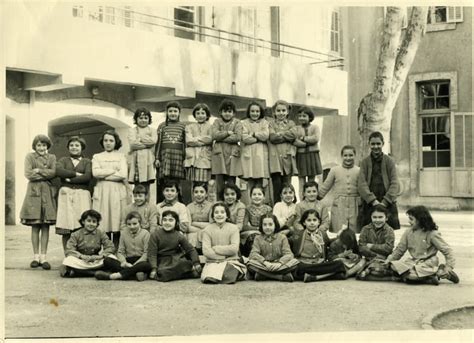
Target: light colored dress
74	196
346	203
254	149
111	194
141	158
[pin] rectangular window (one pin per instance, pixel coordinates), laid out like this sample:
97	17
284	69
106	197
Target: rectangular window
334	32
184	17
445	14
128	16
96	13
434	96
248	28
77	11
434	107
110	15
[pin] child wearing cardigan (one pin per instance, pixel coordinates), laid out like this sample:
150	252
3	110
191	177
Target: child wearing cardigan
87	248
271	256
147	211
343	180
378	183
376	242
310	248
131	259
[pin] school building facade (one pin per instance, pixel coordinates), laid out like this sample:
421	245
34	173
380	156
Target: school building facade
80	68
432	124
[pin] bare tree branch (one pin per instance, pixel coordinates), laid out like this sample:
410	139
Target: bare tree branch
408	49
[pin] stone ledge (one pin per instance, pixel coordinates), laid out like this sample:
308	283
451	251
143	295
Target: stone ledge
427	322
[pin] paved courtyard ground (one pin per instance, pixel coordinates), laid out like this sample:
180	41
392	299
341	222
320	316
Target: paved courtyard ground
41	304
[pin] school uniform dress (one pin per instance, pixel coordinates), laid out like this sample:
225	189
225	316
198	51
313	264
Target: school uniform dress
226	151
141	158
254	147
198	213
133	248
83	242
170	253
308	161
378	181
111	194
284	212
310	248
422	247
272	248
170	150
237	214
345	206
148	213
220	246
74	195
177	207
198	151
39	205
282	153
305	205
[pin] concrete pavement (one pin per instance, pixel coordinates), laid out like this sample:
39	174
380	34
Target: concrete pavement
41	304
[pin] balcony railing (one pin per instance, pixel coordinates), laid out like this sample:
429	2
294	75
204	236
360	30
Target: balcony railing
188	30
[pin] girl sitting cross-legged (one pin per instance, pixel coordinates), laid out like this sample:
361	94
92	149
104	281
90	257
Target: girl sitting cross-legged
271	256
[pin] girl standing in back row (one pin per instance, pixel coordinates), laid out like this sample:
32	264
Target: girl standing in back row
74	198
110	193
254	148
170	148
307	144
344	179
142	139
226	133
39	206
282	153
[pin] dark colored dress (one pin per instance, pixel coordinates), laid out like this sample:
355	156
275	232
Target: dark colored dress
170	150
170	253
39	206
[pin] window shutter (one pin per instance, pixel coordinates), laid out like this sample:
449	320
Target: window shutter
454	14
462	154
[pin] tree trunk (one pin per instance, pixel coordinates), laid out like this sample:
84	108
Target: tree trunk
395	59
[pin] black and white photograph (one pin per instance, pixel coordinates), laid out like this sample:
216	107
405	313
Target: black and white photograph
237	171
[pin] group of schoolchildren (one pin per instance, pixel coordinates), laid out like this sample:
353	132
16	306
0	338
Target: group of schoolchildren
224	241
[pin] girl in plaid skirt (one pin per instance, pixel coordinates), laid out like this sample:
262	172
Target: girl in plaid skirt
170	148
